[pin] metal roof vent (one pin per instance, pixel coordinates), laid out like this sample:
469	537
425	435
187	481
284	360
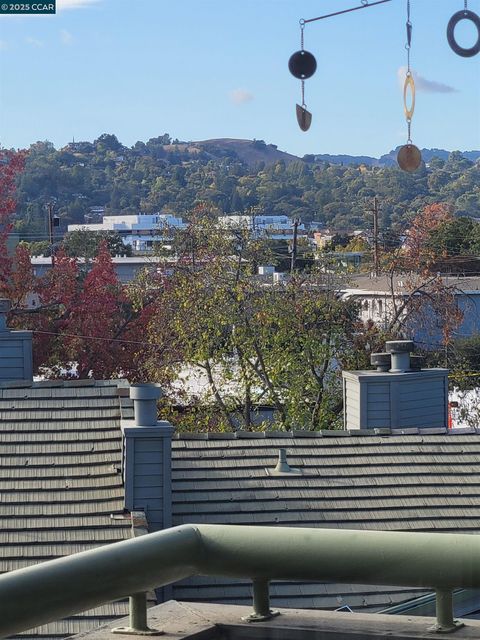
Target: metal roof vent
382	361
400	351
283	468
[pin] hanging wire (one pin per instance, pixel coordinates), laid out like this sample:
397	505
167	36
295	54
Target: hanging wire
302	48
408	47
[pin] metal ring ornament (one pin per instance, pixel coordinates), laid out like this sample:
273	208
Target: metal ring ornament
409	84
465	14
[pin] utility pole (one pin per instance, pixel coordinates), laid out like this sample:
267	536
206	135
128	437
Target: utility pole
53	221
296	222
375	210
50	223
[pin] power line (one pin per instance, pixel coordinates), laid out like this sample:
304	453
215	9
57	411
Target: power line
75	335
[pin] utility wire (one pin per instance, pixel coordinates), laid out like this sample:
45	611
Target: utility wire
75	335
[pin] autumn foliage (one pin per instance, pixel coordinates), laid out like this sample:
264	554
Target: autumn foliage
84	324
420	231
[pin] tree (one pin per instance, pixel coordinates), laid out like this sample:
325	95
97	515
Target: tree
98	326
460	236
421	301
107	142
280	345
83	243
11	165
421	229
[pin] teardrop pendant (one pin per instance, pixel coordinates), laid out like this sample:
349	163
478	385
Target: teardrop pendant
304	118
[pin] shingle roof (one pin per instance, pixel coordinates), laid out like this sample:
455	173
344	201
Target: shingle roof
357	480
60	456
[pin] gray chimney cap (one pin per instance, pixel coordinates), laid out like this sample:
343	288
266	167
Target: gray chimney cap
400	346
382	361
145	391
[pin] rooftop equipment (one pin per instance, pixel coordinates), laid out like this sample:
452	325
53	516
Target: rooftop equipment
399	394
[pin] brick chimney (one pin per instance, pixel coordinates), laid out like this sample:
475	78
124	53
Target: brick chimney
15	349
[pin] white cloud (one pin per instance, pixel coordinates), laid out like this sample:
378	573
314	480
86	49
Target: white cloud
34	42
3	45
66	37
75	4
425	85
241	96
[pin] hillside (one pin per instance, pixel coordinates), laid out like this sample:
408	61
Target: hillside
85	179
254	152
251	152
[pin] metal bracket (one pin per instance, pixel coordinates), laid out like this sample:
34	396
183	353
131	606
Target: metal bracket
258	617
440	628
445	621
138	618
130	631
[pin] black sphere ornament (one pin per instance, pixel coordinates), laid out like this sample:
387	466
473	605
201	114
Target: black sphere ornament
302	64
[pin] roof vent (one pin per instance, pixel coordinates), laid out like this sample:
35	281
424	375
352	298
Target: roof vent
145	398
400	351
382	361
283	468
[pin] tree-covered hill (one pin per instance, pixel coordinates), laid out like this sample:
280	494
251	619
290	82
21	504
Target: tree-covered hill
234	176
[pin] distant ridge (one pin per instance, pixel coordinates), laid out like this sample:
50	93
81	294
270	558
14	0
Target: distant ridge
390	159
253	152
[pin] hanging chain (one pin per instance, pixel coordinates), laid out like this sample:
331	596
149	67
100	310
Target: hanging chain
408	46
302	48
465	5
409	79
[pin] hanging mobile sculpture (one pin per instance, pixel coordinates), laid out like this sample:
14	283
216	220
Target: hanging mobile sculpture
302	65
409	157
464	14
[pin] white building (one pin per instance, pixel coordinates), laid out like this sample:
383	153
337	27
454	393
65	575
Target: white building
139	231
273	227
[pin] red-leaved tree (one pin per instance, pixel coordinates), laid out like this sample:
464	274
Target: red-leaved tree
11	164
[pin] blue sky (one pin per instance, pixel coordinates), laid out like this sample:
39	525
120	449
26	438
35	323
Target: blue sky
201	69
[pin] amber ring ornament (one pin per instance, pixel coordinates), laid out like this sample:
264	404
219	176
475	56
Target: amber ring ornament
409	84
465	14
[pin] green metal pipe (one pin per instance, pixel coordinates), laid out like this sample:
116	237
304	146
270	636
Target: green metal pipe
58	588
364	557
52	590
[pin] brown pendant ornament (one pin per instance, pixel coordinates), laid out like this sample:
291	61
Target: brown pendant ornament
304	118
409	158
